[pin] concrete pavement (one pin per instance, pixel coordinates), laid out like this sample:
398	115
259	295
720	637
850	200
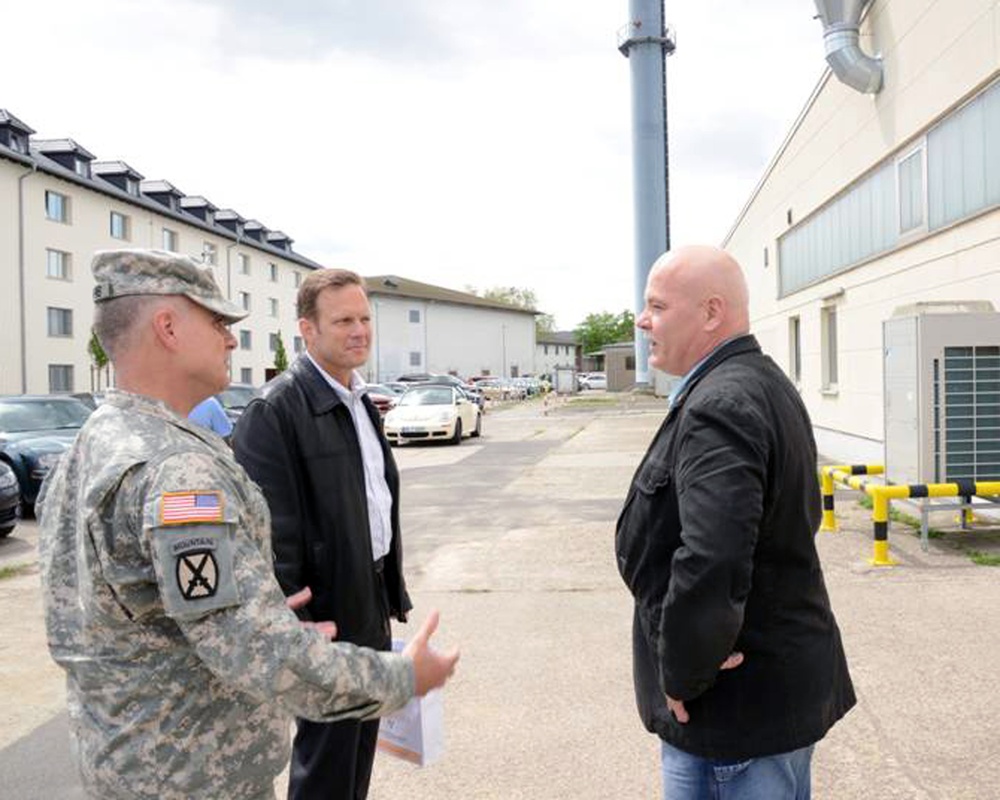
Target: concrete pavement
512	539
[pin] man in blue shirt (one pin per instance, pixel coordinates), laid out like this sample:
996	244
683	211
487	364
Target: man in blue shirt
210	413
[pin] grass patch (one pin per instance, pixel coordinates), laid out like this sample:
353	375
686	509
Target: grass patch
592	401
13	570
984	559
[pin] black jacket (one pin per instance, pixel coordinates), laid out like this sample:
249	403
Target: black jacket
715	542
298	443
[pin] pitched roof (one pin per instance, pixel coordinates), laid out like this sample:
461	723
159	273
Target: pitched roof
557	337
395	286
6	118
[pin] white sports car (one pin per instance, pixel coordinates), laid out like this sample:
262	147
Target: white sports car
426	413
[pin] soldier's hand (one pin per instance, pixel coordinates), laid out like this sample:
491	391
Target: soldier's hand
431	669
302	598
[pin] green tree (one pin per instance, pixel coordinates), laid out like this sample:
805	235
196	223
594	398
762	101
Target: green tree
522	298
98	357
597	330
512	295
544	323
280	354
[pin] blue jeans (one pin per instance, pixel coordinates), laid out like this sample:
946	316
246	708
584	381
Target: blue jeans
780	777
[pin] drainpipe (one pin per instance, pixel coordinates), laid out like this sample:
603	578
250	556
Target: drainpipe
229	289
20	274
849	63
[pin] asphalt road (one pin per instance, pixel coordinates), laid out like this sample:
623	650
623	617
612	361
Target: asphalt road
511	537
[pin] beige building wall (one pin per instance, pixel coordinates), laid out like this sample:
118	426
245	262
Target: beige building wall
10	329
937	55
89	229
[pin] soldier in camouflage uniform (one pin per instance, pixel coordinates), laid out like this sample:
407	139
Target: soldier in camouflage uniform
184	666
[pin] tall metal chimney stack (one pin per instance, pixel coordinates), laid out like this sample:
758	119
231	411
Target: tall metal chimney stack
646	43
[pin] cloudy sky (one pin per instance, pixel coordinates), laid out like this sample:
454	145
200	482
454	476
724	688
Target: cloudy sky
457	142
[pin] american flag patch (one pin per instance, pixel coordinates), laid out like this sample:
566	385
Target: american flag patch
181	508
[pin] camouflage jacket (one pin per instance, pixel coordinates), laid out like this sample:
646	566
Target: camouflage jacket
183	664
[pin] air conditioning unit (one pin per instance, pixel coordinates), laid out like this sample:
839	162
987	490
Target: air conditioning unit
942	393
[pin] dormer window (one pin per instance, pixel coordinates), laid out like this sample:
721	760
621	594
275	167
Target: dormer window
82	168
14	133
132	187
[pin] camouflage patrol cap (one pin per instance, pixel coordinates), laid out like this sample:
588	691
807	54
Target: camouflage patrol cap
123	273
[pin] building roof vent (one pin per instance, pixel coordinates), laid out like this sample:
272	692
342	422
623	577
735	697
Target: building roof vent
849	63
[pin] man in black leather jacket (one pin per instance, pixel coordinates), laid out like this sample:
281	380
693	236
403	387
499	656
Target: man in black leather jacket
313	443
738	662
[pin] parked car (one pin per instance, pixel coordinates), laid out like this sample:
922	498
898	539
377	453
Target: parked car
90	399
593	380
35	430
470	390
10	499
433	412
382	396
235	398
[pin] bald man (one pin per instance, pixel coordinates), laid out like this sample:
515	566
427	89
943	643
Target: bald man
738	662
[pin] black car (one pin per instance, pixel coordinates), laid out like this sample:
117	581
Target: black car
35	430
10	499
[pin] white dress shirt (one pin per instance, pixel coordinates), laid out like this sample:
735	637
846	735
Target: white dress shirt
376	488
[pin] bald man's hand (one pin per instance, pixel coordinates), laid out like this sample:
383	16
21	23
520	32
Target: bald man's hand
677	706
431	669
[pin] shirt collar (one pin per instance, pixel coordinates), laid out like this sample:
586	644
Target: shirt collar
345	393
682	384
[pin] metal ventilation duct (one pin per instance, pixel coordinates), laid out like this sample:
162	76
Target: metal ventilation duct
840	35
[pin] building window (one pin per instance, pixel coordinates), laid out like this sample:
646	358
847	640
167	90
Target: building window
132	186
297	342
246	375
297	279
795	348
82	168
963	160
243	263
60	378
829	347
57	206
170	240
272	271
119	226
60	321
272	342
414	359
630	363
57	265
952	175
245	300
414	315
209	254
272	306
545	349
246	339
910	183
767	259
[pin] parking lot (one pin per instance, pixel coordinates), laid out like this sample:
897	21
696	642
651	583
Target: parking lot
511	536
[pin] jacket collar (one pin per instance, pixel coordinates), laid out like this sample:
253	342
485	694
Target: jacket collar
741	344
320	395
